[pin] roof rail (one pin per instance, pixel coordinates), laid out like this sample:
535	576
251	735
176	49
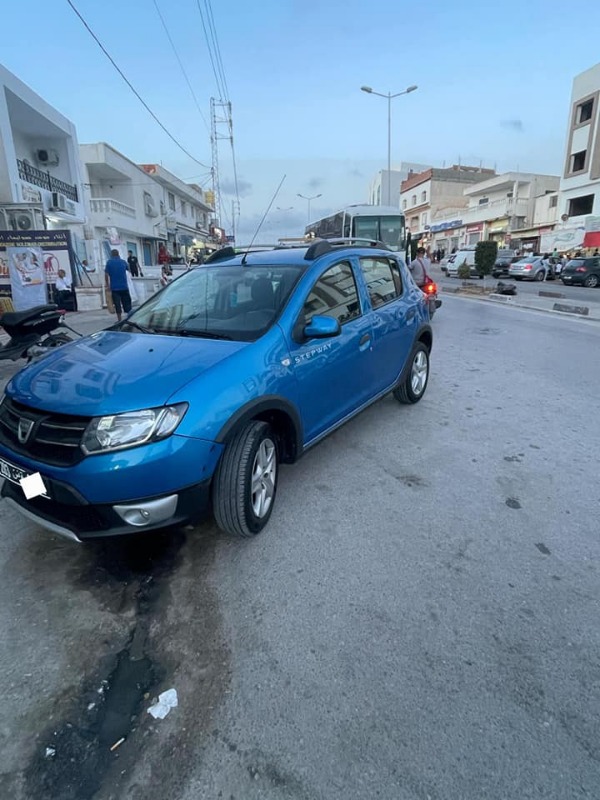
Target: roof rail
319	248
322	246
358	241
221	255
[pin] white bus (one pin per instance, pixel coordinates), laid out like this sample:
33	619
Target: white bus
383	223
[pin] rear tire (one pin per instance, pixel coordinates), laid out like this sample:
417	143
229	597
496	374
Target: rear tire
412	389
540	276
57	339
591	281
245	483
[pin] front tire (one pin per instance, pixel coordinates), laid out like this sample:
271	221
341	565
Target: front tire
245	483
412	389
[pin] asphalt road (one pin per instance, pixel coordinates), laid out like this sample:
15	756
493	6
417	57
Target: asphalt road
418	622
573	293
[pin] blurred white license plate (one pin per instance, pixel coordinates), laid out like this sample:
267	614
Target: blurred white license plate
14	474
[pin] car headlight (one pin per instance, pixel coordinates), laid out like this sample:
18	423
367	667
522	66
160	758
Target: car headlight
118	431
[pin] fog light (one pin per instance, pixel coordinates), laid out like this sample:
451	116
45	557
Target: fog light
149	512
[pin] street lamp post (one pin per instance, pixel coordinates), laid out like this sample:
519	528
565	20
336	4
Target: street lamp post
389	97
309	199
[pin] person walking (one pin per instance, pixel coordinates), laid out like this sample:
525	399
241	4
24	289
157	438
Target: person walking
134	266
116	280
419	266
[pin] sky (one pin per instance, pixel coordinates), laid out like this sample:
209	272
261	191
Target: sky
494	87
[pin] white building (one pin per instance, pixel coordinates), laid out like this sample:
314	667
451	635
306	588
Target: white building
502	208
579	205
40	172
138	207
378	190
434	192
188	215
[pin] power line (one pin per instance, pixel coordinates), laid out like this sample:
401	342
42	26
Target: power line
185	75
136	93
220	89
213	30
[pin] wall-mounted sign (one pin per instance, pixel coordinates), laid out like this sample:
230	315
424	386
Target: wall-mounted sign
30	195
445	226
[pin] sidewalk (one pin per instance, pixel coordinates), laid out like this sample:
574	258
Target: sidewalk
553	305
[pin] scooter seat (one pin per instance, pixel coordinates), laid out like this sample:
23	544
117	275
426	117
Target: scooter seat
12	318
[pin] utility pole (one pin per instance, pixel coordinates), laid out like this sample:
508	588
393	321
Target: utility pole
220	115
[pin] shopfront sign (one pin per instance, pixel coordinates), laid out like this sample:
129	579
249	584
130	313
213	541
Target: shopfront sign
446	226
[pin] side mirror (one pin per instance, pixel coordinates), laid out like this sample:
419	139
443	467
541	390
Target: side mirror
322	328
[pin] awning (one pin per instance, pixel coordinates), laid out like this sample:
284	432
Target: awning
591	239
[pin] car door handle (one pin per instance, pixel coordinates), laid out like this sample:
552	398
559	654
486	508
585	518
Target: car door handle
410	314
364	341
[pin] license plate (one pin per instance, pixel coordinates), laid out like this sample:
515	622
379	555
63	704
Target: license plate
14	474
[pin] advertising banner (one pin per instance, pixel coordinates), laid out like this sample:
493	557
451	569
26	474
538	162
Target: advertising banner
18	253
28	281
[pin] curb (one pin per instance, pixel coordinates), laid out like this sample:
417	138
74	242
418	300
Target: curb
509	301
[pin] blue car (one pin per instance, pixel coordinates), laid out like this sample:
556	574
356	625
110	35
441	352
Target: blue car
191	404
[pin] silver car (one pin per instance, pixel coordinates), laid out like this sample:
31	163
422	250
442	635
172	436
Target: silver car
528	269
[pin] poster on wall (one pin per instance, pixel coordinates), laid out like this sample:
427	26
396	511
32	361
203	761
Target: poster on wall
27	277
52	252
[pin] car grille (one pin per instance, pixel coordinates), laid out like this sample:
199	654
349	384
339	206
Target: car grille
54	438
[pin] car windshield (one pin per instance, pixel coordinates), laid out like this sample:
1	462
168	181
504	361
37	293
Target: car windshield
219	302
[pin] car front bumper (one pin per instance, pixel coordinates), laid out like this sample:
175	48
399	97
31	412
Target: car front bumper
145	488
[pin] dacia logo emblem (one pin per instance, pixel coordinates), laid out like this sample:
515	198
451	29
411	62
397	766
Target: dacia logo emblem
24	430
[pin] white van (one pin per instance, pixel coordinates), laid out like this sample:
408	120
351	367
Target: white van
459	258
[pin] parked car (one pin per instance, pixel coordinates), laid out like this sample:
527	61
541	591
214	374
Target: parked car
582	272
504	259
194	400
530	268
446	261
460	258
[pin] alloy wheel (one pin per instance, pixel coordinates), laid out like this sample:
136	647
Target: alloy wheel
418	375
264	474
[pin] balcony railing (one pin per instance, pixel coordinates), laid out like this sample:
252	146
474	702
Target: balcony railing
43	179
106	205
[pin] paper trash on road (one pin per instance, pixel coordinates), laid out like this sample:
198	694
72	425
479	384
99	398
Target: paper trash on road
166	701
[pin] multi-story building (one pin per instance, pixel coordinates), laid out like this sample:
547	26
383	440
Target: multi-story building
434	192
501	208
385	186
40	173
187	213
138	207
125	207
579	204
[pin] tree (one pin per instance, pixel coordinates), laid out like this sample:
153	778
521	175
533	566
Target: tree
485	257
464	271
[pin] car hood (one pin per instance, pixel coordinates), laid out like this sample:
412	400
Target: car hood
111	371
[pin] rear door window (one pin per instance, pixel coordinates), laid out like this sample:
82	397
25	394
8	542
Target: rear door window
382	276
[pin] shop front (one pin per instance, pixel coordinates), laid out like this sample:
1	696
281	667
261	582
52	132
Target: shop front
497	231
474	234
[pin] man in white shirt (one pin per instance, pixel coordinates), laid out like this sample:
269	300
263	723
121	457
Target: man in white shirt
64	288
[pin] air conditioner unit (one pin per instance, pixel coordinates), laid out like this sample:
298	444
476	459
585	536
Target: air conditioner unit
21	219
47	158
59	202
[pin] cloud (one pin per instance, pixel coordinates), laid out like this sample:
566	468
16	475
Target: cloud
315	183
513	124
356	173
244	187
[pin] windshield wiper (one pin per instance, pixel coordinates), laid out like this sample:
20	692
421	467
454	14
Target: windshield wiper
137	325
203	334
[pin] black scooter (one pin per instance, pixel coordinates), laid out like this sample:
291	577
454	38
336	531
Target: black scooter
33	332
